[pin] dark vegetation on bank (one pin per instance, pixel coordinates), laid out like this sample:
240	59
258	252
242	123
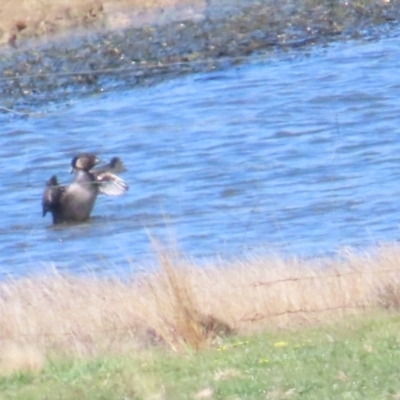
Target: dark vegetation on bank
218	35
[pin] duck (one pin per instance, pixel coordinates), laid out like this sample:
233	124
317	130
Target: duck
75	202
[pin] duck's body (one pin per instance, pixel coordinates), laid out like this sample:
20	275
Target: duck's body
75	202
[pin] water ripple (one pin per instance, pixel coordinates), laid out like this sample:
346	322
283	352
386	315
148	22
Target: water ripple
297	155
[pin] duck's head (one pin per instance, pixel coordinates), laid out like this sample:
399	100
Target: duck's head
84	162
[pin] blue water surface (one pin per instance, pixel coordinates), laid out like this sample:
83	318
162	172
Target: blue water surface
296	154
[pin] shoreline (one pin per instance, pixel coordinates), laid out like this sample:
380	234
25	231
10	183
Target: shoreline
184	37
44	20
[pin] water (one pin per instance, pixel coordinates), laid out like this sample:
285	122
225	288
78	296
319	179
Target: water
298	155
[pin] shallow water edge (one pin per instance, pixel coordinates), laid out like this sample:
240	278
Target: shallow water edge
175	42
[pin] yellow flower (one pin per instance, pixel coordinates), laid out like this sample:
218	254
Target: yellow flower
280	344
263	361
222	348
240	343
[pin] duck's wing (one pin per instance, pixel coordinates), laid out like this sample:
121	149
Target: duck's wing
51	195
110	184
114	166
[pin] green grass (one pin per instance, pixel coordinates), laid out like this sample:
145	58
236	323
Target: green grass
355	359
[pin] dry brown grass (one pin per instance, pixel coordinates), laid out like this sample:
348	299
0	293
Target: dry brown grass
46	18
184	305
20	358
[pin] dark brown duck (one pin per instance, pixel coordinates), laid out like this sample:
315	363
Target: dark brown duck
75	202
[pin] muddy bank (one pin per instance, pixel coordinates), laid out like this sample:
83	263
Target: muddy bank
155	44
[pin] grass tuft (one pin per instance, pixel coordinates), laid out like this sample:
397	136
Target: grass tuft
181	323
176	318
